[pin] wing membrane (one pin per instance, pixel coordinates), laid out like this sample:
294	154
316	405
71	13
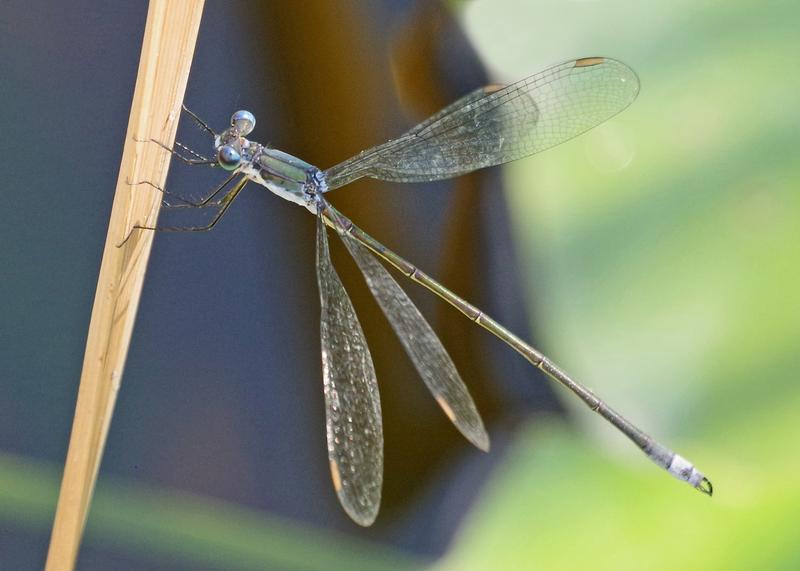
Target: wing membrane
352	404
422	345
498	124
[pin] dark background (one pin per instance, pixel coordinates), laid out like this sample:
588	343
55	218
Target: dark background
658	251
222	394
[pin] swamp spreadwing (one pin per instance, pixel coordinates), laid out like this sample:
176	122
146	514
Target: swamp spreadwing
489	126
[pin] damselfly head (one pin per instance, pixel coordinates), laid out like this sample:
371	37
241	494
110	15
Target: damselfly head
231	144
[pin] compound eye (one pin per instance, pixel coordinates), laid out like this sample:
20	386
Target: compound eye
228	158
244	121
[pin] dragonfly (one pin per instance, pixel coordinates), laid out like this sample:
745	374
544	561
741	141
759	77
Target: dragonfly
490	126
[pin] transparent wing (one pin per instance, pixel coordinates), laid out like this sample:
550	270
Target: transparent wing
422	345
497	124
352	403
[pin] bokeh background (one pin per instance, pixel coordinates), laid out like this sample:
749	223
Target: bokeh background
654	258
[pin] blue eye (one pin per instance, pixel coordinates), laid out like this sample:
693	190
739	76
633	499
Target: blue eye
228	158
244	121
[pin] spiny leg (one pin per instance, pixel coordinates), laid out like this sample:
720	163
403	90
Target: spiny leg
187	160
198	158
191	151
224	204
205	201
203	125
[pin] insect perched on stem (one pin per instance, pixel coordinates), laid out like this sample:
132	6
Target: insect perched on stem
489	126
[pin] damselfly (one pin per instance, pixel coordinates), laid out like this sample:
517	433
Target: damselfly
489	126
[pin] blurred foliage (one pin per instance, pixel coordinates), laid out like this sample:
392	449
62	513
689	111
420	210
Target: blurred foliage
662	255
662	251
172	526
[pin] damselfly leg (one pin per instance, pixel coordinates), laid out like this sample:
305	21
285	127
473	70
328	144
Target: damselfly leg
198	121
222	204
187	203
198	160
193	158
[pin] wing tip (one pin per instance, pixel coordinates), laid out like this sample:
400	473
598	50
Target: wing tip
625	72
481	440
365	515
361	509
470	426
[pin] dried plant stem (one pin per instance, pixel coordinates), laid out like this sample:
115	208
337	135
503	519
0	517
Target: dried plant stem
169	40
